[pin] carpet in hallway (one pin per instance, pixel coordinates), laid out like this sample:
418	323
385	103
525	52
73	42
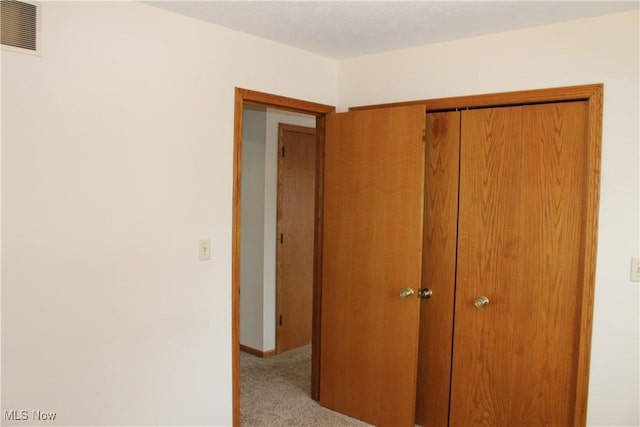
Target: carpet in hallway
274	392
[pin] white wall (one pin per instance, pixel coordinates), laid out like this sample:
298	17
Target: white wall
274	117
117	156
252	224
598	50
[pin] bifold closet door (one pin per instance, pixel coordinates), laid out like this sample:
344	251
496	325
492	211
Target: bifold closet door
521	234
372	252
442	160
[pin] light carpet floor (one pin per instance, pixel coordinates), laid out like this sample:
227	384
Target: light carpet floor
274	392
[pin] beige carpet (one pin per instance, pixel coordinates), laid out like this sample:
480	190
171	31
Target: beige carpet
274	392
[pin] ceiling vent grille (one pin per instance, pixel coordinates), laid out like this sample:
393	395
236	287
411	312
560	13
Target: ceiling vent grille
20	26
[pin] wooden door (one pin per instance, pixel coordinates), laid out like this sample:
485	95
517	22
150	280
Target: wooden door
522	231
372	250
295	222
438	268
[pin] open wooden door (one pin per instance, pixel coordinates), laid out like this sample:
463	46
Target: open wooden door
372	250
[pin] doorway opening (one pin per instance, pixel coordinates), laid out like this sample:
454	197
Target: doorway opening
257	101
277	217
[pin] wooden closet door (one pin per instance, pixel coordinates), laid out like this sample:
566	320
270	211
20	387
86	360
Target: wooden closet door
438	267
523	183
372	250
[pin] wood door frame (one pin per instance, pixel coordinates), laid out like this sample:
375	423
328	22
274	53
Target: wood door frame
282	128
593	94
242	97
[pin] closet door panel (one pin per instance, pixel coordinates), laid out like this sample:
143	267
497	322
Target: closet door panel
488	239
551	255
372	250
521	245
438	267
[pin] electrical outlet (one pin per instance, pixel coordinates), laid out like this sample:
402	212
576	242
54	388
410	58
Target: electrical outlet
635	269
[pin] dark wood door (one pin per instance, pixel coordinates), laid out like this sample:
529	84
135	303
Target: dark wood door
294	253
372	250
521	239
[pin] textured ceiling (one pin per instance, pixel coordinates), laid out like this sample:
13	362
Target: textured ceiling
345	29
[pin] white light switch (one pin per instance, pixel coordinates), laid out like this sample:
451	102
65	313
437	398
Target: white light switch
205	249
635	269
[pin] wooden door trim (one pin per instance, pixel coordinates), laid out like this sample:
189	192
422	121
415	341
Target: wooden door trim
317	258
594	141
246	96
567	93
282	128
283	103
296	128
593	94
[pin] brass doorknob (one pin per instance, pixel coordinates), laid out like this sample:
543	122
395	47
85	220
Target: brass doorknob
406	293
481	302
425	293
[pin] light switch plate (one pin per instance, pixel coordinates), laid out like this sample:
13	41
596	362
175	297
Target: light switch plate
635	269
204	249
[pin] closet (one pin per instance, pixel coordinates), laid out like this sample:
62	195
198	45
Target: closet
458	260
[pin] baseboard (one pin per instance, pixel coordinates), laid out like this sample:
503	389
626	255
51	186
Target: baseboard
258	353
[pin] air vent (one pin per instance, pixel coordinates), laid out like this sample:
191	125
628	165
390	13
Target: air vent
20	26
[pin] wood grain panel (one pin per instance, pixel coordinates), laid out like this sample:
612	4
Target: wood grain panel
552	238
372	249
490	179
438	267
295	224
522	239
